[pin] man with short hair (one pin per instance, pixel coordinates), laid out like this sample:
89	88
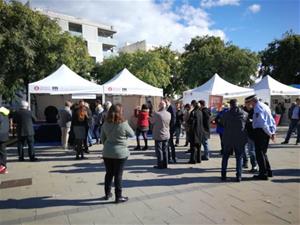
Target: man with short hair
206	125
196	133
161	135
294	115
4	129
25	132
171	146
264	129
234	137
64	121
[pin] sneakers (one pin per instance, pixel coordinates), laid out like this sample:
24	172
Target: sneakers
3	169
253	170
284	142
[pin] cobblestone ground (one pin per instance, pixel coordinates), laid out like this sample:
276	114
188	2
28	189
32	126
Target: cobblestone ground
60	190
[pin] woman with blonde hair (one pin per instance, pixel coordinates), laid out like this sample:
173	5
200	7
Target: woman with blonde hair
114	134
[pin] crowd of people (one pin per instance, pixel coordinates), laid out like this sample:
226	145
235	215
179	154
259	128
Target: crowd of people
244	131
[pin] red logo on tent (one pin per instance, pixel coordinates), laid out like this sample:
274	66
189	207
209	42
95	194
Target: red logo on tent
36	88
110	89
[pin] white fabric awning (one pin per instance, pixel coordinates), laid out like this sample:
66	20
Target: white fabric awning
274	87
125	83
216	86
64	81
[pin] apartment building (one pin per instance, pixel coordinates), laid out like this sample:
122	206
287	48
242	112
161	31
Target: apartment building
99	37
137	46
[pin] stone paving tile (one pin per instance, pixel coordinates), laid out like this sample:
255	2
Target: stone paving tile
66	191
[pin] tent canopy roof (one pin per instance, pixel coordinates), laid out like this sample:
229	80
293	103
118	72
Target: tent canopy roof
218	86
125	83
275	87
65	81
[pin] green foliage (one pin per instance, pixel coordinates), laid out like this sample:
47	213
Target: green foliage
281	59
205	56
32	46
153	67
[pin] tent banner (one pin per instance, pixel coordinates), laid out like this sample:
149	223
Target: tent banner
215	102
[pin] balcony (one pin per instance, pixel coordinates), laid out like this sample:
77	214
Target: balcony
75	33
107	41
109	54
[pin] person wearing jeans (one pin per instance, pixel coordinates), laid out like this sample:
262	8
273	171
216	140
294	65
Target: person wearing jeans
114	134
161	135
294	115
250	146
142	126
234	138
206	125
171	146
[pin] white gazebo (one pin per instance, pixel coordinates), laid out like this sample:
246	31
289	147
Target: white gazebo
125	83
268	87
216	86
61	85
127	89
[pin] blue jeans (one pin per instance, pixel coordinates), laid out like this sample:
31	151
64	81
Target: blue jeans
250	149
177	134
205	146
90	136
239	160
161	150
293	125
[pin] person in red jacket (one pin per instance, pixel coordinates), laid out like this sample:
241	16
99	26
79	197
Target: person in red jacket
142	126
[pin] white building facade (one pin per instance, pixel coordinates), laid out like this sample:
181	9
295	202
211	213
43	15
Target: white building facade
99	37
137	46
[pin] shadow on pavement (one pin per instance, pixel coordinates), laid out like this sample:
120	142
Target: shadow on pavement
48	201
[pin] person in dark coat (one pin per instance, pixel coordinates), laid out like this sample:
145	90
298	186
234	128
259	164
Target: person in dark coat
79	126
178	122
206	125
234	137
25	132
171	147
4	129
196	133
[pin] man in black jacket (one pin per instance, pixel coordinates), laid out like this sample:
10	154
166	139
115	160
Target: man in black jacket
25	132
234	137
206	125
171	147
196	132
4	129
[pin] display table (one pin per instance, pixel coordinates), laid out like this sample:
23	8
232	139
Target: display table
47	132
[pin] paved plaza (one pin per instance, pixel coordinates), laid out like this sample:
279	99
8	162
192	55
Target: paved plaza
61	190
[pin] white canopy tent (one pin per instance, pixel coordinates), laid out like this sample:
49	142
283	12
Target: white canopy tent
215	86
125	83
64	84
64	81
268	87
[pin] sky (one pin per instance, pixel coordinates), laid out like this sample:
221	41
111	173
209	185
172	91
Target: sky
248	24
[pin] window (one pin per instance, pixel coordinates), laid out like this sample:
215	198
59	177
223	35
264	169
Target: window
75	27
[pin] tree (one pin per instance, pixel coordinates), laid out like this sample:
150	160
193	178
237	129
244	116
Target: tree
173	60
281	59
32	46
207	55
149	66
